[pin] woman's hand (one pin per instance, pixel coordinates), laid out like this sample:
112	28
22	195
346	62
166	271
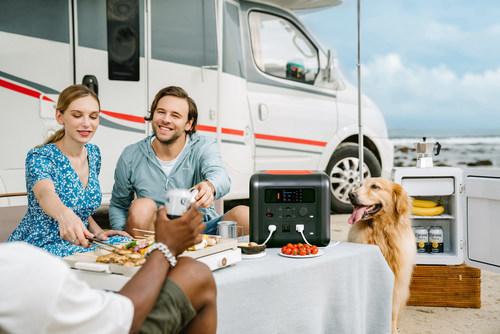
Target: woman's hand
103	235
71	229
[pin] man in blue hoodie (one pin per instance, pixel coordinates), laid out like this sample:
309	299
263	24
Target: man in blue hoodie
174	157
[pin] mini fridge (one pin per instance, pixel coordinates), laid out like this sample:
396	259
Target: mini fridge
471	217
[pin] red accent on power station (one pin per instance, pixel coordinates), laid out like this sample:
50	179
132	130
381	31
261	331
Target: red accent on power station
288	172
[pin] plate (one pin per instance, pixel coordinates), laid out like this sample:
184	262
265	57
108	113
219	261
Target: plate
253	256
250	250
320	252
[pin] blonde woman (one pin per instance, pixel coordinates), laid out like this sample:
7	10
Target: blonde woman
62	180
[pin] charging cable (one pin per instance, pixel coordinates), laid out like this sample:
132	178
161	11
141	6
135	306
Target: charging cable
271	229
300	228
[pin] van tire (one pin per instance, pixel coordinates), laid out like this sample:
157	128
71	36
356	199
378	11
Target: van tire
344	176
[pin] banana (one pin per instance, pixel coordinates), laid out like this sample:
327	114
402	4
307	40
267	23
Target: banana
435	211
424	203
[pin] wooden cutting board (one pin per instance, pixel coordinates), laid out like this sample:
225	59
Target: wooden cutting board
90	257
222	245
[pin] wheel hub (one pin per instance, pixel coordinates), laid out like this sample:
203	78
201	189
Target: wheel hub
344	177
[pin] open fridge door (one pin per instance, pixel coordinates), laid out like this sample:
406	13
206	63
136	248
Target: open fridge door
482	223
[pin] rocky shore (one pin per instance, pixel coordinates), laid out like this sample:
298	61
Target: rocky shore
455	152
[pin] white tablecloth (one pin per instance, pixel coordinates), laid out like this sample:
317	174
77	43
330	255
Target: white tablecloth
346	290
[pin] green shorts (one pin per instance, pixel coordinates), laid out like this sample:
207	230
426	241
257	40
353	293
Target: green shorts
171	313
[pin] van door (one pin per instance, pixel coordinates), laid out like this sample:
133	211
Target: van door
482	226
184	53
293	119
110	47
237	142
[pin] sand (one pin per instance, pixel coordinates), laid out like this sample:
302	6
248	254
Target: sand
485	320
448	320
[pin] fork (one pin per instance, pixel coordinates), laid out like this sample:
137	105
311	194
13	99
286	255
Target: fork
103	245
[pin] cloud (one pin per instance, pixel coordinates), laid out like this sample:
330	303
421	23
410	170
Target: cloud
494	29
438	68
439	32
406	91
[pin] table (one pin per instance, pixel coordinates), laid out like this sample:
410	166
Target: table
346	290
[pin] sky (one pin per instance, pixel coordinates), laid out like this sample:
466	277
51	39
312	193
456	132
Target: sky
432	67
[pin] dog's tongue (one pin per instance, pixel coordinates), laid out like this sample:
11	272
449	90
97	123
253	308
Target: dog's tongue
356	215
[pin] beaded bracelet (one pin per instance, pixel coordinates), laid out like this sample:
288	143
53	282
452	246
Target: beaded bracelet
166	252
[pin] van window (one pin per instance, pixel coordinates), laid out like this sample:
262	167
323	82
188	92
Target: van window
183	32
92	25
36	19
280	49
233	52
92	29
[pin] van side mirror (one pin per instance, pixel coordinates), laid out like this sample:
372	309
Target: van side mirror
331	73
327	71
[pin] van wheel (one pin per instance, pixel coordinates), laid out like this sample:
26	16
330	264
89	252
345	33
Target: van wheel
344	174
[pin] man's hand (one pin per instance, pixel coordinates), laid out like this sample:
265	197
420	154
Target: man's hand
178	234
181	233
206	194
104	235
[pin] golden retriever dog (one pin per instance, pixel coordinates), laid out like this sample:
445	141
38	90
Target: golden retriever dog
381	216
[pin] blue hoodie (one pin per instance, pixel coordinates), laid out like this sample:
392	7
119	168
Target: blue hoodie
139	174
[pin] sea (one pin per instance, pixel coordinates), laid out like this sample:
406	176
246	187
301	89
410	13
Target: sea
455	151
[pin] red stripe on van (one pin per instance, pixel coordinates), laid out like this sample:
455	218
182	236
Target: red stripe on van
206	128
23	90
233	132
291	140
227	131
287	172
139	119
127	117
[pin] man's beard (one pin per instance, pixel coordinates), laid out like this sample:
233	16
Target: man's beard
167	141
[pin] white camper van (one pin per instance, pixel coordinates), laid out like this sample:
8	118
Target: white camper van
271	95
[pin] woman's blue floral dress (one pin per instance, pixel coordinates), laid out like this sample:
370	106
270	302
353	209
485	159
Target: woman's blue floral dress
48	162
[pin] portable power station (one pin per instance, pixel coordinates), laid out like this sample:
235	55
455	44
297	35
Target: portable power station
286	203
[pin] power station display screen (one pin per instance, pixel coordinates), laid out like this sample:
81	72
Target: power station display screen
290	195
